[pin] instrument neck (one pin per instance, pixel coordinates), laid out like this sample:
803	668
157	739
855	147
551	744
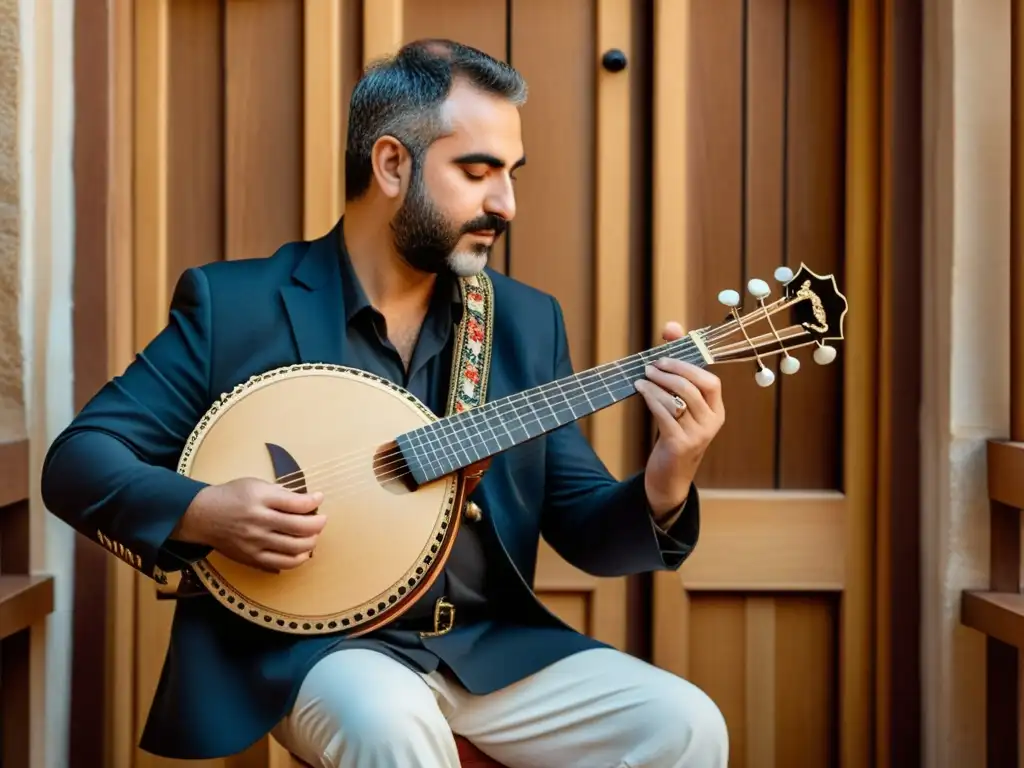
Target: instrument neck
455	442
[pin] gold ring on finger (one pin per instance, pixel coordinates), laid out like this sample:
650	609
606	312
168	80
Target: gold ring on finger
680	406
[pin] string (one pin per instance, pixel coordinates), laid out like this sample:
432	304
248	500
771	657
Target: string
516	399
447	428
463	435
565	405
709	336
347	483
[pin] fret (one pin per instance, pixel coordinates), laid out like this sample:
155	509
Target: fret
452	443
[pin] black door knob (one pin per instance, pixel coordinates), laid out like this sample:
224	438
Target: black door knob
614	60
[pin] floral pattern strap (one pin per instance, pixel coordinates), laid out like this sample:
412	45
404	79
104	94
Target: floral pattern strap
472	359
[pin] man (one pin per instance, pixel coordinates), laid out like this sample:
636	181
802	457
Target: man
434	144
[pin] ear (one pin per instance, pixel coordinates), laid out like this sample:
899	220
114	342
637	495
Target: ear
391	165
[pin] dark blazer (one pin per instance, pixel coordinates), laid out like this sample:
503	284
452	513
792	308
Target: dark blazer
226	682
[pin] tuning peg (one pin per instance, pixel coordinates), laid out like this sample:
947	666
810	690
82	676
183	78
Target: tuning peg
729	298
789	365
783	274
758	288
764	377
824	354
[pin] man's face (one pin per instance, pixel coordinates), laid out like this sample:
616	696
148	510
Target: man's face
461	199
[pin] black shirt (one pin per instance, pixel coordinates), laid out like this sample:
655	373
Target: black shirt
464	579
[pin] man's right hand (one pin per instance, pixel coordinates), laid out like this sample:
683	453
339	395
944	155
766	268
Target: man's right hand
254	522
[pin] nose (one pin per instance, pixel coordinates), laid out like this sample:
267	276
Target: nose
502	201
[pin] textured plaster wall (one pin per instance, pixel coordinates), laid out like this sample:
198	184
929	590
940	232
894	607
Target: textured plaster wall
12	408
46	228
965	351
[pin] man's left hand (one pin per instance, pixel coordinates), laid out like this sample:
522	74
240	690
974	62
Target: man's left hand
684	436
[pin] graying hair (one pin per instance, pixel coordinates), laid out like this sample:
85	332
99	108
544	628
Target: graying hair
402	96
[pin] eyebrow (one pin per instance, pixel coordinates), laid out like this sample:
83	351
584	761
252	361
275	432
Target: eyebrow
482	157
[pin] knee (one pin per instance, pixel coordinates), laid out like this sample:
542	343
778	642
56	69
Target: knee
378	722
341	719
685	726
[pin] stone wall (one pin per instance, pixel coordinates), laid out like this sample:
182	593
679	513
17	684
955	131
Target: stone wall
12	408
965	351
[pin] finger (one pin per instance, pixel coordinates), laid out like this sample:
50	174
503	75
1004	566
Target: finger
285	500
284	544
275	561
710	386
668	400
678	385
672	331
292	524
251	560
663	417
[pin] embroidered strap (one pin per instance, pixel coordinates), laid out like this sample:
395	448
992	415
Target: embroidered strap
471	358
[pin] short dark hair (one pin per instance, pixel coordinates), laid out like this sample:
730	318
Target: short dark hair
402	95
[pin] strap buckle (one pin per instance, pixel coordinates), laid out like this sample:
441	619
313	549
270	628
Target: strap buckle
444	618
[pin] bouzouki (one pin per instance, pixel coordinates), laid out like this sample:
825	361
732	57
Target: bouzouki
396	483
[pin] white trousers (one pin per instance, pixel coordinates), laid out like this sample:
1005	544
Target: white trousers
596	709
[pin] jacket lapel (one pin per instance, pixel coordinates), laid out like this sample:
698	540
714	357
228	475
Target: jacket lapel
314	302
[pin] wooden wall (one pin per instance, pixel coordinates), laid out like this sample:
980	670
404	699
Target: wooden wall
742	135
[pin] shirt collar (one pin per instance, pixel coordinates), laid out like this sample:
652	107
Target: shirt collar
356	300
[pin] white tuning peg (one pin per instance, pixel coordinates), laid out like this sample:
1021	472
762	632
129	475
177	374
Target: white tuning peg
783	274
789	365
764	377
758	288
729	297
824	354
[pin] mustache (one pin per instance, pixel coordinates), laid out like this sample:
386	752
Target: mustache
488	221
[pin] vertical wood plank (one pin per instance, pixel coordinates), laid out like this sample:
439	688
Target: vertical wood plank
120	689
479	23
807	729
671	213
1017	223
811	417
764	221
715	142
671	615
760	682
613	217
898	553
382	28
1007	660
152	51
552	248
195	114
323	140
718	641
151	161
883	511
263	126
859	383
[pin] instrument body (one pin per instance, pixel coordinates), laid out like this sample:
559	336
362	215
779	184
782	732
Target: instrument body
395	477
383	543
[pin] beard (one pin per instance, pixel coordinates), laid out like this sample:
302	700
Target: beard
429	242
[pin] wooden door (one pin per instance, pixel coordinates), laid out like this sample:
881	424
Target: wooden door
766	155
238	136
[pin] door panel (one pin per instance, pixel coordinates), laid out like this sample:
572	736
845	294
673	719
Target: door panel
764	131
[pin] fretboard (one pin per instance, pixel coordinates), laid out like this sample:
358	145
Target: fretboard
458	441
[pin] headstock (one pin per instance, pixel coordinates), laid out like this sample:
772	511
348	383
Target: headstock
810	311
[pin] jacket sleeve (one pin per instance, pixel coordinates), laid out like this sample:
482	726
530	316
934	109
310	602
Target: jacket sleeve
600	525
111	473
